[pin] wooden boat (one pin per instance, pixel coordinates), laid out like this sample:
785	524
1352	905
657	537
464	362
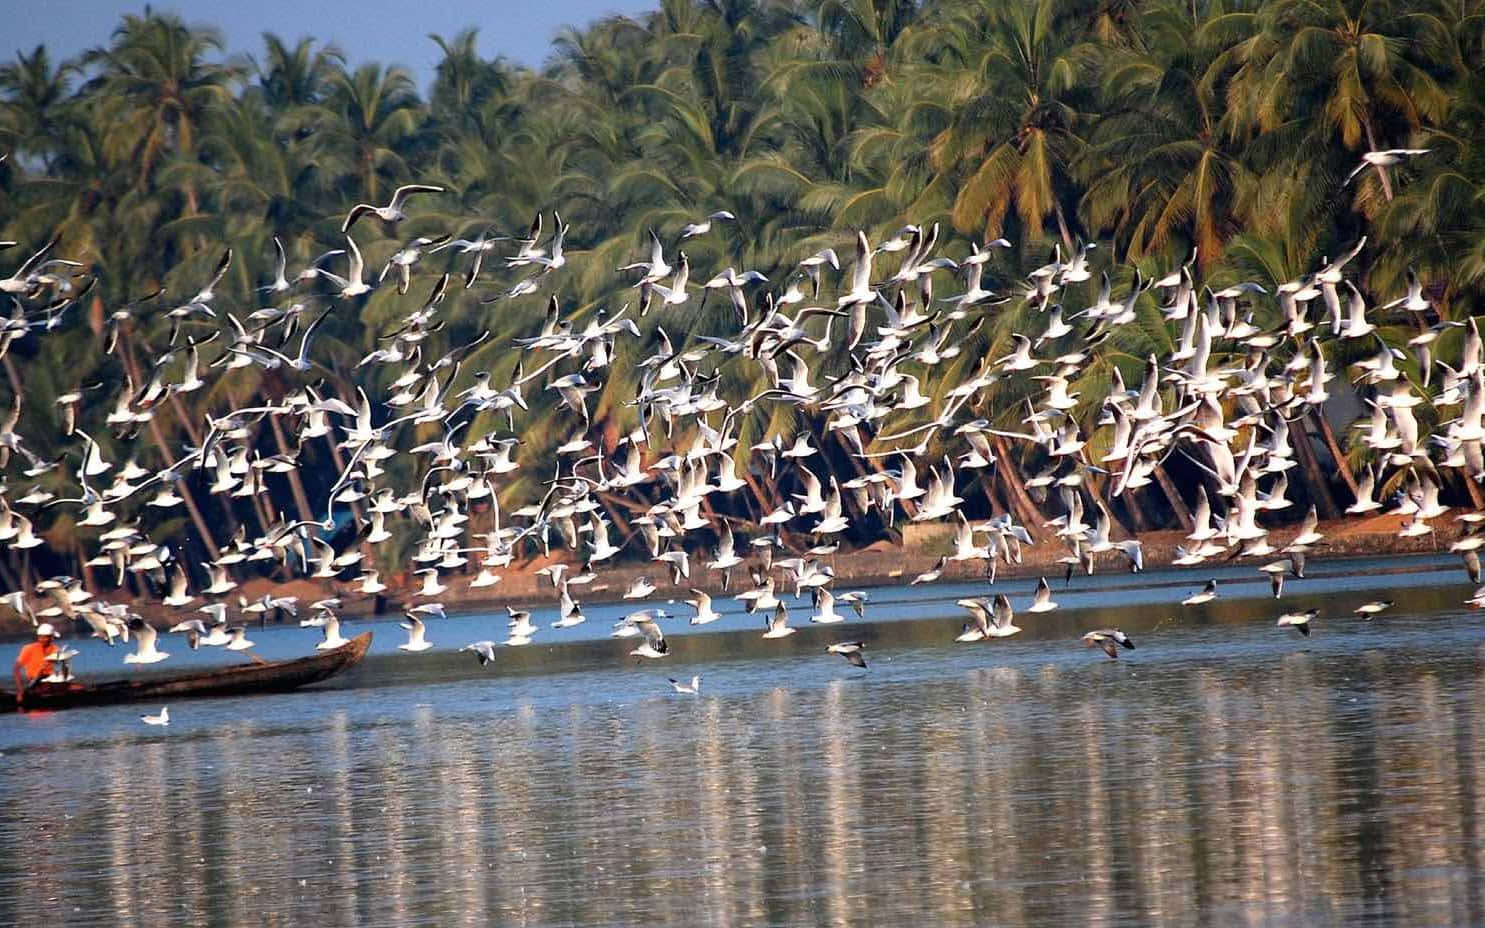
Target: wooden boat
267	677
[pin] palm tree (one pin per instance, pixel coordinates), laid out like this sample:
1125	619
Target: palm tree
34	111
1018	123
1439	213
159	88
1349	73
364	129
464	84
864	31
1161	176
290	77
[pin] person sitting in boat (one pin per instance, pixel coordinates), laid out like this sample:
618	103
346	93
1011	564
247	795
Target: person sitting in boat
35	660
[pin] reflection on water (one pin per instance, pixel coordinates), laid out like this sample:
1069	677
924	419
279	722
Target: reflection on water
1237	776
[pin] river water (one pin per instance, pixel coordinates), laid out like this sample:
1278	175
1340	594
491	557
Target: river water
1227	772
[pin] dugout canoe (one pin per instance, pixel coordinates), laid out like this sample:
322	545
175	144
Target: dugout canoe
243	680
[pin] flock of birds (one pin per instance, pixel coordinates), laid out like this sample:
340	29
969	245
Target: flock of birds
1245	367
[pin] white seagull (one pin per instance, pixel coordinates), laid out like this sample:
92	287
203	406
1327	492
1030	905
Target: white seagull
417	634
1109	639
851	651
144	643
1382	159
484	650
392	212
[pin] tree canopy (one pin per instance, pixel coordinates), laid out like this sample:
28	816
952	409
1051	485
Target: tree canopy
1158	129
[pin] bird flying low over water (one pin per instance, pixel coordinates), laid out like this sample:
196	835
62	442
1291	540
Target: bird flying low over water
333	638
417	634
1110	640
145	651
1299	621
1205	595
990	619
1041	600
851	651
654	644
777	625
484	650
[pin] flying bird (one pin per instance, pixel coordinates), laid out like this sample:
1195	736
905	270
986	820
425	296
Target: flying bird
1206	594
390	213
484	650
851	651
1110	639
1382	159
417	634
1299	621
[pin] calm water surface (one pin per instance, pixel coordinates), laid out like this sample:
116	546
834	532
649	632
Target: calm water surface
1226	772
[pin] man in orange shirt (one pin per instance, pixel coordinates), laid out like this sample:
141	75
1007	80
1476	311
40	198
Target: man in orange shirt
35	660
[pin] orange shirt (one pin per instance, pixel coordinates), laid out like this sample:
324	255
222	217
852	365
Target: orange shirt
34	660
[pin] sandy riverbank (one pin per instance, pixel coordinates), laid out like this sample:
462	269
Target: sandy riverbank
884	563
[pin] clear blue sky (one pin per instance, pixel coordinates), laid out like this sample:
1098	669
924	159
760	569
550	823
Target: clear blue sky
391	31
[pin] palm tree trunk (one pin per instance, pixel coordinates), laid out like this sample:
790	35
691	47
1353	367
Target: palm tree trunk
296	486
1335	451
1067	241
90	583
1173	496
127	343
15	379
28	573
1026	510
1315	479
1133	506
1477	498
1371	141
615	515
763	497
186	422
264	515
187	497
8	577
339	460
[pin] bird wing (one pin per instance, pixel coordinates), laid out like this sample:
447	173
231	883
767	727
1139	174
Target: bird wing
861	272
222	264
1003	612
400	195
357	211
309	333
653	636
356	264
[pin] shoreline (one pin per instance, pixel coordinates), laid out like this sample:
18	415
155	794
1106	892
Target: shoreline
880	564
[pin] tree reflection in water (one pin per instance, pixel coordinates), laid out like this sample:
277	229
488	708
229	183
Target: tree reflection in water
952	786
